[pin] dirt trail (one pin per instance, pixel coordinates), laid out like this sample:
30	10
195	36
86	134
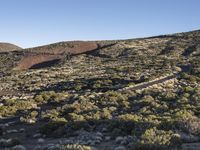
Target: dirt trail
150	83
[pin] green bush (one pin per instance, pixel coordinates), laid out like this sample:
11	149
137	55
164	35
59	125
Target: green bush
51	127
190	125
183	115
154	139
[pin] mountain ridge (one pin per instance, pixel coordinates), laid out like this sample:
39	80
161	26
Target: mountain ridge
7	47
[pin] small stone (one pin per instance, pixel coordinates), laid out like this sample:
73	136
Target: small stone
3	142
41	140
91	143
3	125
68	141
98	138
12	131
53	147
93	148
38	147
98	141
31	121
49	145
104	130
13	142
107	138
88	142
120	148
119	139
127	140
18	147
21	130
44	136
99	134
37	135
11	123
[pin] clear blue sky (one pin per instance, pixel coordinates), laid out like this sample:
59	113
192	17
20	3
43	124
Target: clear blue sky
29	23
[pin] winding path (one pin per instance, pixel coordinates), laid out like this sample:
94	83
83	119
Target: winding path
150	83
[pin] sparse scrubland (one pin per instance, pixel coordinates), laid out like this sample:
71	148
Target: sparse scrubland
141	94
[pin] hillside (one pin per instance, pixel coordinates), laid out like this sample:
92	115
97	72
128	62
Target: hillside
122	94
6	47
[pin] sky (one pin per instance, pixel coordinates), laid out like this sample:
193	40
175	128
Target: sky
30	23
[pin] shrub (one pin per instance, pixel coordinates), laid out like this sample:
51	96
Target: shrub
9	102
114	99
49	96
75	117
129	117
153	139
30	118
51	127
190	125
105	114
169	96
6	111
183	114
53	115
69	147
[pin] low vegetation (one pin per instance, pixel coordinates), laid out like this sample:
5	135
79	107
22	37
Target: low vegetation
98	99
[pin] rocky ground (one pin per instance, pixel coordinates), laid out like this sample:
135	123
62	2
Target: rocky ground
132	94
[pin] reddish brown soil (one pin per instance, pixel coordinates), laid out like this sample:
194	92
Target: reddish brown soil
29	61
52	52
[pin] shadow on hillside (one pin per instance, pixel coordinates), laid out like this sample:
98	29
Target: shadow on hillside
45	64
111	126
84	85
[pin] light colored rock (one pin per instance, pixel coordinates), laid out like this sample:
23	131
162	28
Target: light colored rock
104	130
31	121
21	130
120	148
53	147
124	142
18	147
38	147
12	131
3	142
68	141
107	138
41	140
91	143
98	138
37	135
119	139
99	134
97	141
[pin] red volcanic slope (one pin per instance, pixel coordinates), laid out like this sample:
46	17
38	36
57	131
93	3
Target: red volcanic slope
29	61
52	52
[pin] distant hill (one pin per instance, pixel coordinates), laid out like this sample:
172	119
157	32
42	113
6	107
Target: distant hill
6	47
73	47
